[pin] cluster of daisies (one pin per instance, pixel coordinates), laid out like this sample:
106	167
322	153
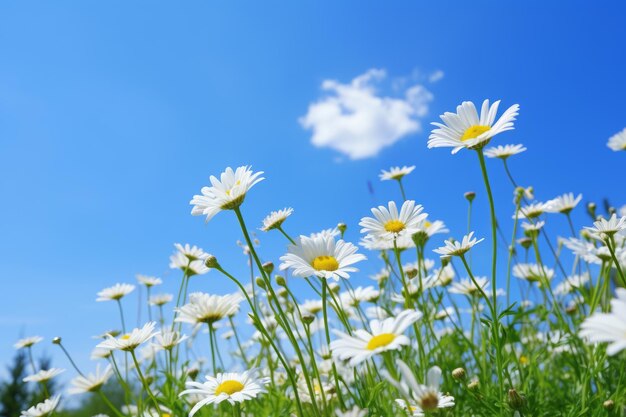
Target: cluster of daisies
427	336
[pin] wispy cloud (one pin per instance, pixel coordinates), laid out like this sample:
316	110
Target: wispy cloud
359	121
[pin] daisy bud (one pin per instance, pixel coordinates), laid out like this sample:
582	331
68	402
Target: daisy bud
411	273
56	340
611	211
282	292
473	386
571	309
211	262
458	374
260	283
193	373
342	227
419	238
308	318
445	262
608	404
280	280
515	400
591	209
268	267
334	287
469	196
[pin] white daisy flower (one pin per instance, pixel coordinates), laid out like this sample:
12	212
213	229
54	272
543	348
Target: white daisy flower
468	287
353	412
160	299
231	387
617	142
456	248
582	248
422	398
504	151
377	243
464	129
27	342
431	228
130	341
388	224
603	227
42	409
44	375
100	353
148	281
321	256
114	293
608	327
334	232
227	193
358	296
191	261
531	211
382	275
533	227
205	308
385	335
396	173
91	382
532	272
312	306
168	338
563	204
571	283
275	219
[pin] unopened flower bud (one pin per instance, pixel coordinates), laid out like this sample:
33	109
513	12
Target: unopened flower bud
56	340
308	318
515	400
591	209
259	281
282	292
342	227
280	280
445	262
411	273
470	196
458	374
268	267
193	372
608	404
473	386
525	242
211	262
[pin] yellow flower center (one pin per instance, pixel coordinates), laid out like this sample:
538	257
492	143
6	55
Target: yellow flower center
380	340
229	387
394	226
125	337
325	263
524	360
427	224
473	132
430	401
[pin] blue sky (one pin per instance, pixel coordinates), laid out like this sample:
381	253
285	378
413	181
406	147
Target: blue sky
113	114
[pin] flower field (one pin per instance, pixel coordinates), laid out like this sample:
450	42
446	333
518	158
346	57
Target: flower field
540	332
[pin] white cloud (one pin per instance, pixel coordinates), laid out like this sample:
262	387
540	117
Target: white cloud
357	121
435	76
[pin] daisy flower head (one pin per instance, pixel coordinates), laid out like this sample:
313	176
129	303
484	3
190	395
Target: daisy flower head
469	287
504	151
385	335
608	327
465	129
605	228
160	299
27	342
389	224
192	253
44	375
617	142
115	293
148	281
422	398
456	248
571	283
532	272
91	382
167	339
205	308
227	193
321	256
563	204
232	387
42	409
128	342
530	211
190	260
396	173
275	219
